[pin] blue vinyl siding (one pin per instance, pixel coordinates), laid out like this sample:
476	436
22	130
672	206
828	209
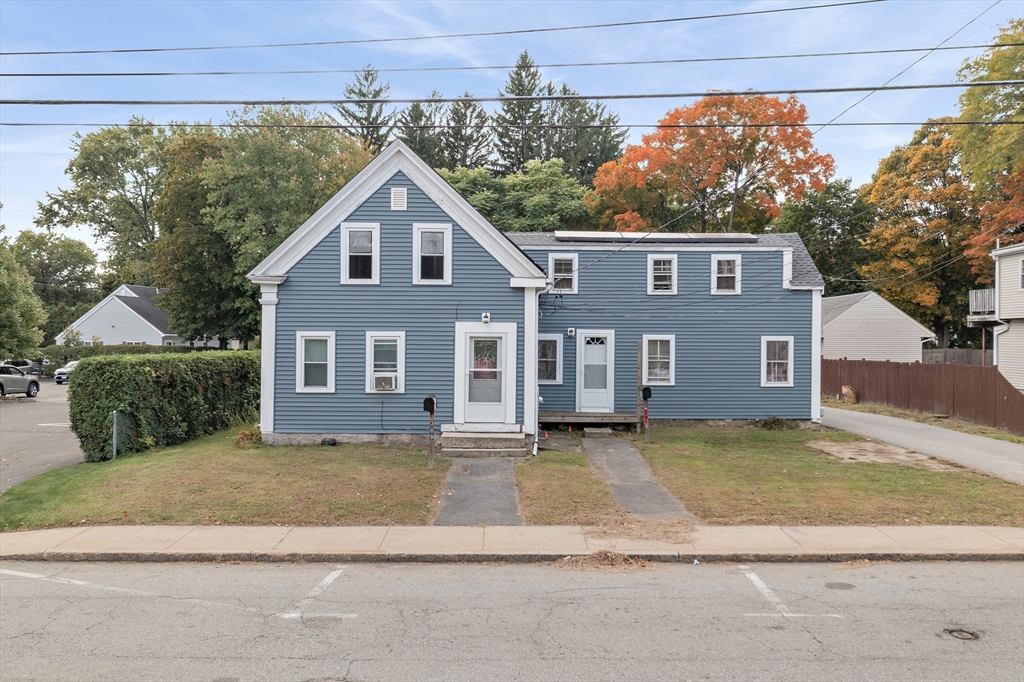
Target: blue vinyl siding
312	299
718	338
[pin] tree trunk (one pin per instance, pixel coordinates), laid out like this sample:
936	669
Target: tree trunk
735	193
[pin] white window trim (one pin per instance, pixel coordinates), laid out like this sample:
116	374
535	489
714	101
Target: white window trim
399	198
417	228
558	357
300	361
575	257
671	338
764	362
397	336
651	257
375	229
714	274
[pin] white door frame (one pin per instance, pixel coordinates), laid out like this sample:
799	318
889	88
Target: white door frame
509	331
581	334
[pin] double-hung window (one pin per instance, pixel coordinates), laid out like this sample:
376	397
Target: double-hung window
661	273
385	362
432	253
549	358
314	362
725	274
659	359
563	272
360	253
776	361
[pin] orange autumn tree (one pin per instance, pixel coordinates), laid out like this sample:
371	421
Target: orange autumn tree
925	216
710	161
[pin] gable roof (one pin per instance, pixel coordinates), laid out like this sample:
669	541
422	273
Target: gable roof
836	306
805	274
139	300
396	157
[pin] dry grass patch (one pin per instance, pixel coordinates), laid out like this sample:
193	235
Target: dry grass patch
951	423
211	481
747	476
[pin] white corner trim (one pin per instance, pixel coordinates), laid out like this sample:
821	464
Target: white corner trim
400	379
764	362
332	351
996	331
268	355
671	338
374	229
651	257
417	230
816	356
575	258
396	158
787	268
531	385
714	274
528	282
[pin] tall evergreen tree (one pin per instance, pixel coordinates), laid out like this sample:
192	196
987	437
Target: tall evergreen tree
419	127
580	133
370	122
466	137
518	134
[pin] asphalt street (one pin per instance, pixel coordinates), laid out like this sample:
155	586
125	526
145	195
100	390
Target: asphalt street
510	622
35	435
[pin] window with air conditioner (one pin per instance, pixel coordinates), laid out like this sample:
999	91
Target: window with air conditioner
385	362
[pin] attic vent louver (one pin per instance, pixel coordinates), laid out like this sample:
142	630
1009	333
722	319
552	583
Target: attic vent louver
398	198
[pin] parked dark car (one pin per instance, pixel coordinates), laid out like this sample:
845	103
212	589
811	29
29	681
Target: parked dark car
27	366
13	380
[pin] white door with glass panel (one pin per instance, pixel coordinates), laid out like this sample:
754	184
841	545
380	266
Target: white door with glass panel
595	371
485	377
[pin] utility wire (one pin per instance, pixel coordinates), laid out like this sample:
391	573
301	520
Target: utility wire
529	98
540	126
647	62
365	41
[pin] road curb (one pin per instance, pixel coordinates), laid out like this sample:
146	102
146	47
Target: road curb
500	557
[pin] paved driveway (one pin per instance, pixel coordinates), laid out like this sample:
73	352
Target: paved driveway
998	457
35	435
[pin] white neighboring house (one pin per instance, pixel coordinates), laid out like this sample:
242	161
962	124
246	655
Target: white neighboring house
1009	311
127	316
865	326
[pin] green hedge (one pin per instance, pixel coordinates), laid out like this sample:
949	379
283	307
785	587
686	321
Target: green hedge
55	357
161	399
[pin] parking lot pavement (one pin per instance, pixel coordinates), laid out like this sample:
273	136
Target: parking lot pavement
35	435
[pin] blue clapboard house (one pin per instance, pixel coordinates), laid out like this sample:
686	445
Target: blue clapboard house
397	289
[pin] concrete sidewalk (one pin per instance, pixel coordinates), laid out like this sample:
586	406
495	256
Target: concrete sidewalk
508	543
998	457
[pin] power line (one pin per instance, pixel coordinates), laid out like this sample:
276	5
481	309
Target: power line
421	69
365	41
544	126
529	98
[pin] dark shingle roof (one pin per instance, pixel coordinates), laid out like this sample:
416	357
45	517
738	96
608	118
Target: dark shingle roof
805	274
144	306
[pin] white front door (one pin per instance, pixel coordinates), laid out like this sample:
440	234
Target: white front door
595	371
485	377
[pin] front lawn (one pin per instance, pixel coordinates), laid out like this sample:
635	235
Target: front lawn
211	481
749	476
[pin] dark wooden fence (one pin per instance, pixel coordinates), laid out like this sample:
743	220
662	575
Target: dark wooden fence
980	394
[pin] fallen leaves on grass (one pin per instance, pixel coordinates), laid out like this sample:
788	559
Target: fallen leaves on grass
604	560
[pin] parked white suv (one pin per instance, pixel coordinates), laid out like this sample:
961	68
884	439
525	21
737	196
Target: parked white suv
13	380
64	373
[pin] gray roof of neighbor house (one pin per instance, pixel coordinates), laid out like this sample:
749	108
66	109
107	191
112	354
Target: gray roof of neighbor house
805	274
144	306
834	306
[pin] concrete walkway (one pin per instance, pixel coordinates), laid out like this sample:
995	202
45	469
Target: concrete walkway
506	543
998	457
480	492
632	482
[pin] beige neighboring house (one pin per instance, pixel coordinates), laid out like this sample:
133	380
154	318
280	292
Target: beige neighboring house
865	326
128	316
1009	313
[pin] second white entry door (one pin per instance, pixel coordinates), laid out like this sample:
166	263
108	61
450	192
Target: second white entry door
595	371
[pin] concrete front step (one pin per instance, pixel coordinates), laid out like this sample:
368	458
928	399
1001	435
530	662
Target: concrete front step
462	444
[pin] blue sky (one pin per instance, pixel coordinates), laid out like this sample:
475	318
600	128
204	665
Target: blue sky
32	160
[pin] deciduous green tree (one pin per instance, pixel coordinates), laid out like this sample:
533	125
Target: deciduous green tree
21	311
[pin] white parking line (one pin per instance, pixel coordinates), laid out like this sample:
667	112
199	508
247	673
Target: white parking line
313	594
775	601
68	424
